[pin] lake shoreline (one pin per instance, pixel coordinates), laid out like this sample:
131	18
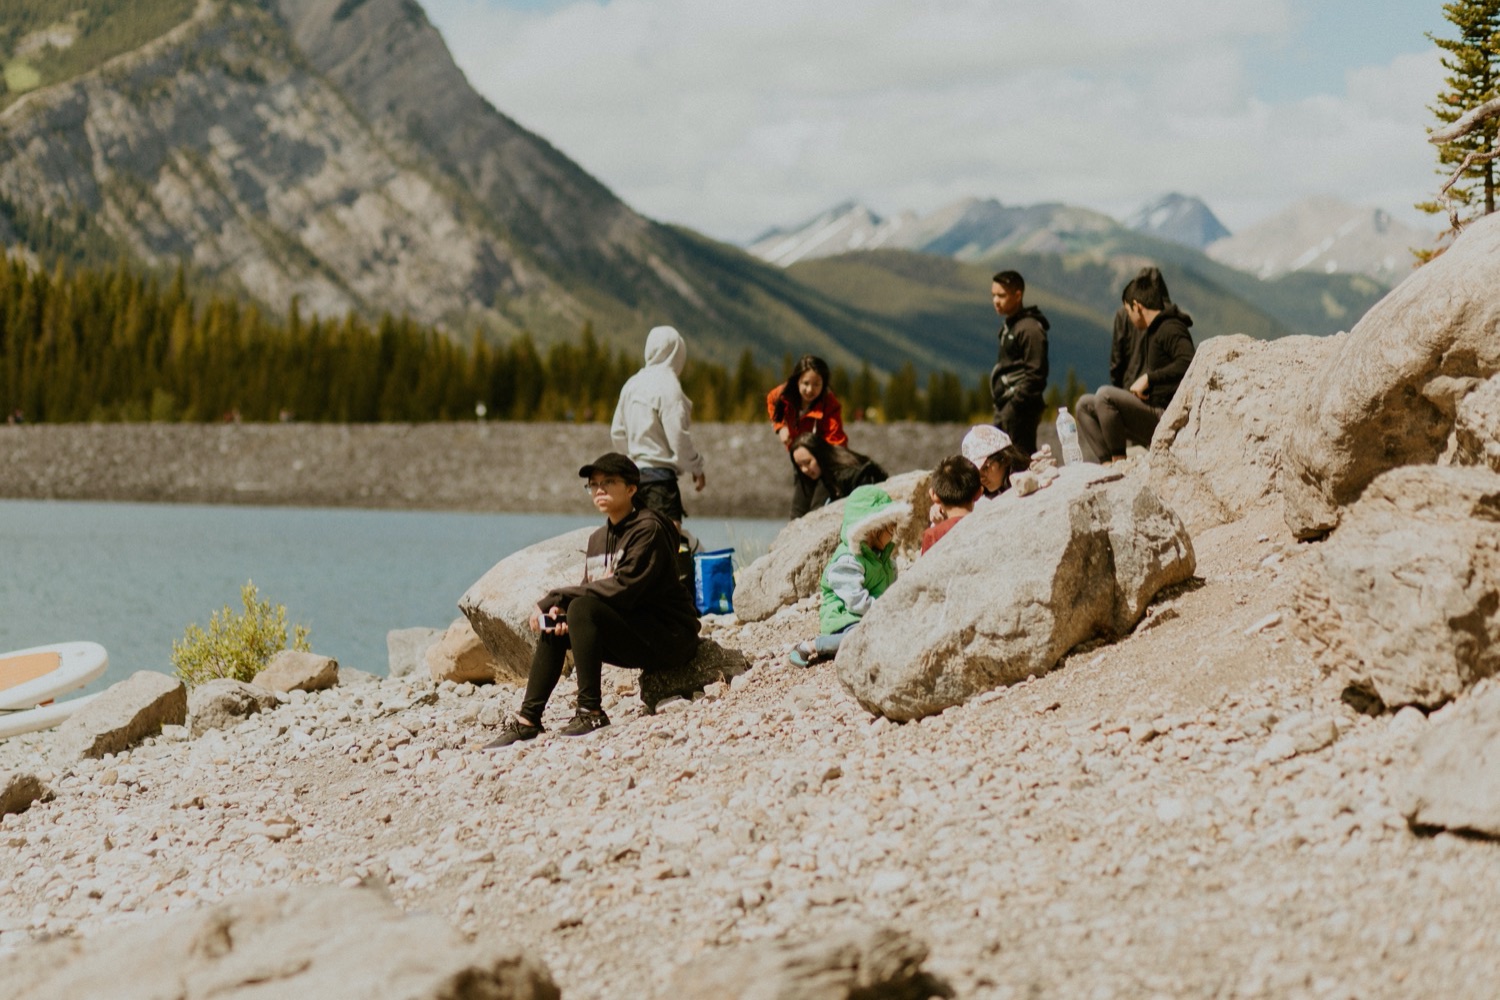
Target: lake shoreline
492	467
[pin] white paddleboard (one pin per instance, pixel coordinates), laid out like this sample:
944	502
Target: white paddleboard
43	717
29	677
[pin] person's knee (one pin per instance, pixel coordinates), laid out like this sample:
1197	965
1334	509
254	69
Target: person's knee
584	609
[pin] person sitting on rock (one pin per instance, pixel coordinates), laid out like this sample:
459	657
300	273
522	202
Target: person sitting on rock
1115	416
861	569
953	487
993	454
631	608
837	469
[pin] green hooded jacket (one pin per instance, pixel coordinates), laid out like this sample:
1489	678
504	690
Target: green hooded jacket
857	574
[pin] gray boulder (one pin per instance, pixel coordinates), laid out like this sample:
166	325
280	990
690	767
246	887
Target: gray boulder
1455	784
857	964
1401	602
1388	394
711	663
315	941
791	569
19	790
1012	588
500	603
1237	399
123	715
406	649
1476	427
295	670
225	703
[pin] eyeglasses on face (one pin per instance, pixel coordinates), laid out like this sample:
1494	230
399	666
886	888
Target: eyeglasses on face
605	484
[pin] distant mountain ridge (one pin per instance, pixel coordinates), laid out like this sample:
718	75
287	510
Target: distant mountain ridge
1325	235
1179	218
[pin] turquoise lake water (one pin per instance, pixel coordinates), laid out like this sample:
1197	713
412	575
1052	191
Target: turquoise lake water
132	576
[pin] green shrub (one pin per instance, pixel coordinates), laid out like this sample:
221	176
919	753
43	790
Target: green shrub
237	646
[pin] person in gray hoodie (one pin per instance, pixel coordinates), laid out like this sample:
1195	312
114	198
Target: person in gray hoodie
652	425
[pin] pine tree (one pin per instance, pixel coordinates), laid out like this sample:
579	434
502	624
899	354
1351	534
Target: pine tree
1473	64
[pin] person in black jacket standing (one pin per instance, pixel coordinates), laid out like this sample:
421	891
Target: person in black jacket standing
1019	377
631	608
1116	417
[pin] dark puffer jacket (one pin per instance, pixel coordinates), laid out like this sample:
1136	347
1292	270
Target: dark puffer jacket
1020	374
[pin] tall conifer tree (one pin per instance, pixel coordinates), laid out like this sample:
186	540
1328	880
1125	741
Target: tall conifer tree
1473	64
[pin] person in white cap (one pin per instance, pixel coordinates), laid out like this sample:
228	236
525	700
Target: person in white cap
993	454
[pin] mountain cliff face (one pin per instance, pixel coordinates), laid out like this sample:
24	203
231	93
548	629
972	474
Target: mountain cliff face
331	150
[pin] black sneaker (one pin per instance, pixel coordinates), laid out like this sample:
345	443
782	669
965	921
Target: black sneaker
584	723
514	731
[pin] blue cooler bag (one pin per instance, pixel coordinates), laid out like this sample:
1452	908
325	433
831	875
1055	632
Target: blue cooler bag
713	581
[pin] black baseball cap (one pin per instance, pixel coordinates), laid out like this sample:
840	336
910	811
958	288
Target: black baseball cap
613	464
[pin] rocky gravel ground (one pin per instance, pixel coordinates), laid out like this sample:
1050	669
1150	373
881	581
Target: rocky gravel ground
1189	811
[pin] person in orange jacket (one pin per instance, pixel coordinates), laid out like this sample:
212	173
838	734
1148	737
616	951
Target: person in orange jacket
805	404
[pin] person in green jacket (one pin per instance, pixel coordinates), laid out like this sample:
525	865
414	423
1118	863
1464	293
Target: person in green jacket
862	568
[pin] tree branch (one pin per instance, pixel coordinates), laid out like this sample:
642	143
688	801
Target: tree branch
1468	123
1457	130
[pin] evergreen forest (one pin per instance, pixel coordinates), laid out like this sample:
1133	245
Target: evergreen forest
115	344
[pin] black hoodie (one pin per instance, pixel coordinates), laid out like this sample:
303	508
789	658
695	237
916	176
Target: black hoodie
1020	374
1166	352
632	567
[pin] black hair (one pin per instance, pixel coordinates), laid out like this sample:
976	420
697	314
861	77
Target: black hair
955	481
789	392
1011	281
1150	291
830	456
1010	459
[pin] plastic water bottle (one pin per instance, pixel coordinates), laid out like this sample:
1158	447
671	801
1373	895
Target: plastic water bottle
1067	433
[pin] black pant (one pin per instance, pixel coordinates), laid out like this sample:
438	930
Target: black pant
807	494
1019	420
663	496
597	632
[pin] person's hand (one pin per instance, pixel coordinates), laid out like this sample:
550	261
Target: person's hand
785	433
536	620
936	514
1139	386
699	481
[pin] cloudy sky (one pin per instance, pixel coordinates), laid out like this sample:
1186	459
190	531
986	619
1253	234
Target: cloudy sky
731	116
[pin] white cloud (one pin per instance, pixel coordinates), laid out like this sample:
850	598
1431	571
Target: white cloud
730	117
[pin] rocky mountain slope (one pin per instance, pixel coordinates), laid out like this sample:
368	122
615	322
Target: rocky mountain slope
1325	235
330	150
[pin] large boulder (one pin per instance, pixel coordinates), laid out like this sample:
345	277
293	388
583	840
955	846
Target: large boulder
1455	784
791	569
314	941
711	663
224	703
1237	399
1403	601
1012	588
123	715
1388	393
879	963
406	649
460	656
298	670
500	603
